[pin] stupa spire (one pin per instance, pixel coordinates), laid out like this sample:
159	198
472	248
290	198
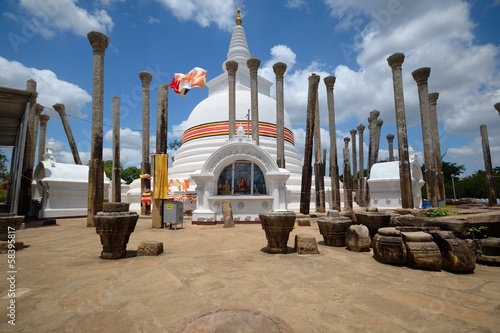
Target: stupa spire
238	46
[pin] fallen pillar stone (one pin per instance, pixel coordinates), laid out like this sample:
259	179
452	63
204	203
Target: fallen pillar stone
150	248
423	252
334	229
358	238
456	255
488	250
389	247
305	244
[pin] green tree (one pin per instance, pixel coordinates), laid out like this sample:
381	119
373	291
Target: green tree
4	177
174	145
451	170
130	173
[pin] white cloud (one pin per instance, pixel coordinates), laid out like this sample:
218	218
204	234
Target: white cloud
152	20
220	12
51	90
65	15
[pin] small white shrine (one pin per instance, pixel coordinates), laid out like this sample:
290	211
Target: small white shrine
61	189
245	175
384	184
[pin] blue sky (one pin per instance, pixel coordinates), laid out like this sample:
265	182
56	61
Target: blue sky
351	39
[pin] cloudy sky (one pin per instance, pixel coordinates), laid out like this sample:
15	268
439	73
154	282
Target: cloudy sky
351	39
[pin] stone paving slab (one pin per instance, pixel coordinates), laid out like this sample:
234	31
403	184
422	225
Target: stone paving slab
63	285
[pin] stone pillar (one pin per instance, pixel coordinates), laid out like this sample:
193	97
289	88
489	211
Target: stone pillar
361	197
319	173
161	145
44	119
253	65
24	207
497	107
372	147
334	168
116	172
347	176
38	111
232	67
279	69
490	184
146	78
395	61
60	108
390	142
99	43
421	75
436	146
305	193
378	131
354	157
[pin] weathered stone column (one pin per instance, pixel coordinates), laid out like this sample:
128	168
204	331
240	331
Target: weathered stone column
372	147
436	146
38	111
61	109
161	145
421	75
319	173
497	107
116	173
305	193
390	142
490	184
378	131
99	43
354	157
347	176
232	67
334	168
253	65
146	78
44	119
24	207
361	197
279	69
395	61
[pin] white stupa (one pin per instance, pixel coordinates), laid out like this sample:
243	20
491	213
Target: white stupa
214	165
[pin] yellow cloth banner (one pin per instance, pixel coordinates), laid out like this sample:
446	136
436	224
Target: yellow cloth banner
160	190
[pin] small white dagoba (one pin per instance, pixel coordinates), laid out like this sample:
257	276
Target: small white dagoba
238	170
61	189
384	184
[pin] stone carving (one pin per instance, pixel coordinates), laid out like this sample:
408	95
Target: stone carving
277	226
150	248
334	229
423	252
488	250
388	247
227	213
373	221
305	244
456	255
357	238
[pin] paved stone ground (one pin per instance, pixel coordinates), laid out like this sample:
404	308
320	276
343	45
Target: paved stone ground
63	286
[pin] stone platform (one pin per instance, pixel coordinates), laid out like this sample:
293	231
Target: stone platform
63	286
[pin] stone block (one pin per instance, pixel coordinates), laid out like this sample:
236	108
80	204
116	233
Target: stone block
389	247
150	248
333	230
488	250
423	252
227	214
333	213
358	238
303	222
305	244
115	207
455	253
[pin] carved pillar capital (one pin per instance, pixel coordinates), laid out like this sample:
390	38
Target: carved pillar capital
146	78
421	75
396	60
60	108
279	69
353	132
361	128
433	97
497	107
390	137
329	82
253	64
98	41
231	66
38	109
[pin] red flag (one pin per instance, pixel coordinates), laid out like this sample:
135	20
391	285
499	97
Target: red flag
182	83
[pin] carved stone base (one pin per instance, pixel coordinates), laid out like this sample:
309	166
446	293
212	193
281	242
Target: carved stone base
388	247
333	230
277	226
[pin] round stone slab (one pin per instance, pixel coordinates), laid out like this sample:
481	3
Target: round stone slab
389	231
417	236
232	320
